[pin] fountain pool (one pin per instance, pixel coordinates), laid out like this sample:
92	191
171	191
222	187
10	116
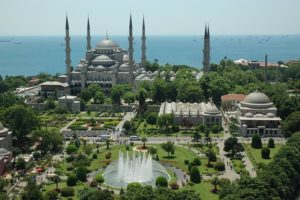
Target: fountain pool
139	167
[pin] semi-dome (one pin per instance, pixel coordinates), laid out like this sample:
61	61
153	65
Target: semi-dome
271	115
257	98
211	108
107	44
248	114
1	126
102	58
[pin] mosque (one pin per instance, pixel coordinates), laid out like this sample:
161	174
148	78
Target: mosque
107	64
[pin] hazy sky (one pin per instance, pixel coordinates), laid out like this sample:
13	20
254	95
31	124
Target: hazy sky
163	17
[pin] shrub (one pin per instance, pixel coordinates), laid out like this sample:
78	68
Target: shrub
108	155
265	153
71	149
95	156
271	143
215	128
69	158
51	195
256	142
72	180
67	192
186	162
93	183
161	182
219	166
81	173
151	118
99	178
36	155
173	185
195	175
196	162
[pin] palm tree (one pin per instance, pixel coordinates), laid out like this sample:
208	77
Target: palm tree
144	140
215	181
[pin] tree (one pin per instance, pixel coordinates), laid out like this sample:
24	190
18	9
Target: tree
196	137
231	145
21	120
85	95
164	122
142	94
195	175
50	104
50	141
116	94
152	150
129	97
158	90
81	173
20	164
256	142
67	192
144	140
71	148
107	141
211	155
61	111
215	182
215	128
56	180
168	147
161	182
207	136
265	153
151	118
2	184
219	166
71	180
201	128
291	124
31	192
271	143
101	195
93	89
99	97
127	125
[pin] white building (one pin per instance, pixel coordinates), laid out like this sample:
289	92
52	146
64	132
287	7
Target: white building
257	115
189	114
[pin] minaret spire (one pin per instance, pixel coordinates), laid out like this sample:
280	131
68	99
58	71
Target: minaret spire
206	50
68	52
144	58
130	51
88	36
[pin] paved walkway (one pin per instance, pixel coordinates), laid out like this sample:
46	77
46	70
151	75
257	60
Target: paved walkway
128	117
65	128
249	167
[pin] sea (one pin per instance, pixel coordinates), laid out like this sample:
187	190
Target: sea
30	55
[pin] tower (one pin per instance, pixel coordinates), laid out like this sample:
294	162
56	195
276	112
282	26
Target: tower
68	52
143	58
130	52
206	50
88	36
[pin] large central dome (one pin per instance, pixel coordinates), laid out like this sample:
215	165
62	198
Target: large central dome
257	98
107	44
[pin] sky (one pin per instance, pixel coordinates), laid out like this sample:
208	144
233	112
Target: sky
162	17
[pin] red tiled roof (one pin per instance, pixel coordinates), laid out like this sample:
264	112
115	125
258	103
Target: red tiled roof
230	97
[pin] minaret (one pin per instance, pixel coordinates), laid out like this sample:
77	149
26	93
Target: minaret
130	52
266	65
68	52
144	58
88	36
206	50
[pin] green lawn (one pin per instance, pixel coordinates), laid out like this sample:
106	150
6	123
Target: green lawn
239	166
255	154
204	189
79	186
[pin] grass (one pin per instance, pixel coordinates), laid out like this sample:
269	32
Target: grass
203	148
255	154
77	188
204	189
239	166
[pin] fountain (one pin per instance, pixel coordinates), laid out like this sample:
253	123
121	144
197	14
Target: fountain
136	168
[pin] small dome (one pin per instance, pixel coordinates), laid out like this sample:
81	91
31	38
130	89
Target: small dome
259	116
107	44
248	115
102	58
271	115
257	98
1	126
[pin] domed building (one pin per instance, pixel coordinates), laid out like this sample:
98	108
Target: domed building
257	115
5	138
190	114
106	65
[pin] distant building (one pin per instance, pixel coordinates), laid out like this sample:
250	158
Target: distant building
70	103
230	101
189	114
257	115
5	158
5	138
54	89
